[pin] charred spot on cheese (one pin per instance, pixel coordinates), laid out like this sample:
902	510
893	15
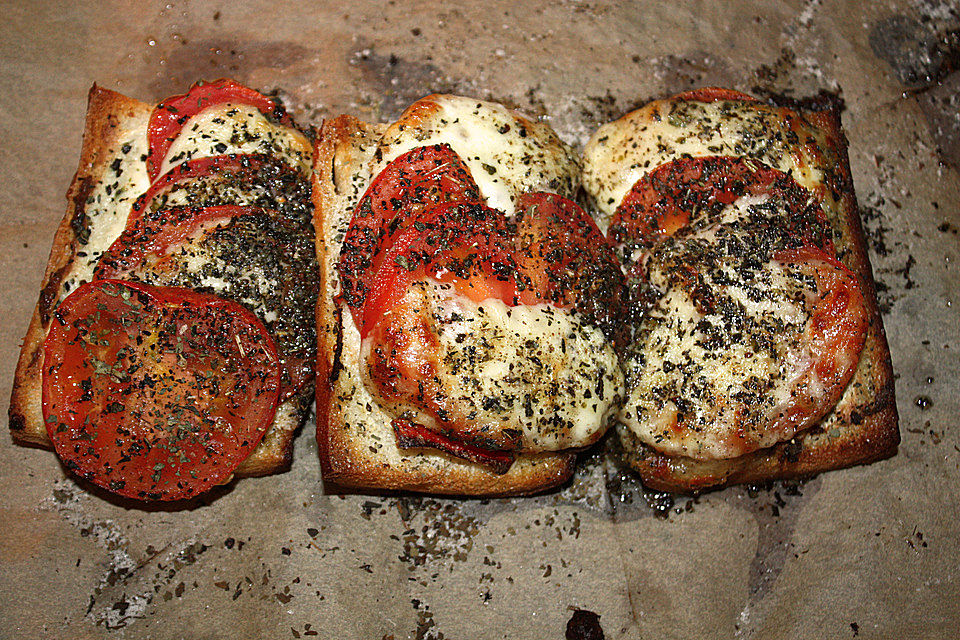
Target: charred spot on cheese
524	378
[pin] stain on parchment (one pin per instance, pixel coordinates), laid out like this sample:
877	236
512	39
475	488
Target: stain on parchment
183	61
693	70
941	109
922	47
394	82
776	508
626	496
130	580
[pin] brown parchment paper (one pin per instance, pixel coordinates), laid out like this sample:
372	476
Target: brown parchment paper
870	552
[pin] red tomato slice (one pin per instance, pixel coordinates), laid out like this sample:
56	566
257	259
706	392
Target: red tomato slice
414	181
241	167
149	241
169	117
147	247
837	327
682	191
570	263
412	435
156	393
467	245
713	94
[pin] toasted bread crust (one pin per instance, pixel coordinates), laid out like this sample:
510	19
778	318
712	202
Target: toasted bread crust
109	114
356	443
862	427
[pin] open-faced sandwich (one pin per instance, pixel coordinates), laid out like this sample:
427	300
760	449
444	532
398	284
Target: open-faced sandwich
173	343
470	309
759	352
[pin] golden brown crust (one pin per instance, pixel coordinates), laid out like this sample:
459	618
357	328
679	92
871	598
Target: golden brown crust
356	444
862	428
109	114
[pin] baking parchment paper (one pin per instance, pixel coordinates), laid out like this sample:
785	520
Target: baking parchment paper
870	552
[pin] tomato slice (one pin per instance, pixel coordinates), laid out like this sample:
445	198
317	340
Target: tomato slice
158	246
570	263
147	244
265	181
466	245
414	181
835	333
412	435
683	191
156	393
713	94
169	117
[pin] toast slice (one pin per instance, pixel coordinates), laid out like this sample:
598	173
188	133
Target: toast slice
863	425
357	444
110	176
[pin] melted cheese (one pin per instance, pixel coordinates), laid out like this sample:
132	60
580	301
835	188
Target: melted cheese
622	152
108	204
507	155
203	267
227	129
537	369
240	129
726	373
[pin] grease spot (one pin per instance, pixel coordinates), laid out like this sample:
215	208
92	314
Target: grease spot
920	49
184	62
397	82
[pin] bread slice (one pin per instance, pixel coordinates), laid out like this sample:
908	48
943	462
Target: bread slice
111	174
863	426
357	445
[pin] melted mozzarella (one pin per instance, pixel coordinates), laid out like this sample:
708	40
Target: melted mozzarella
708	384
622	152
241	129
537	369
228	128
203	267
107	207
507	154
